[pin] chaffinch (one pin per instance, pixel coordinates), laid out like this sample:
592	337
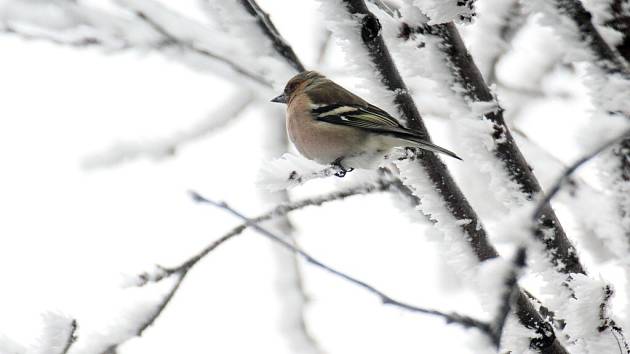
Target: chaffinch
331	125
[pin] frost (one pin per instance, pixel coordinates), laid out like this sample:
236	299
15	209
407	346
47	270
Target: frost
347	34
455	242
291	170
485	35
443	11
58	330
120	317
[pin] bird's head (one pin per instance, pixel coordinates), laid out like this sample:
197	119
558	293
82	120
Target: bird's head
297	84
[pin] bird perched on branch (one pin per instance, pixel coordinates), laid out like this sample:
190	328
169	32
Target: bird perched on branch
331	125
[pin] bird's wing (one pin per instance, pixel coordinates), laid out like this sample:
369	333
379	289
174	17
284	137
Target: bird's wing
359	116
374	119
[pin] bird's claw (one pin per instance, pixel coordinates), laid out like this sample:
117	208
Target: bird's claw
341	171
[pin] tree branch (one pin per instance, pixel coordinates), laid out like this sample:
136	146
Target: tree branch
269	29
204	52
71	337
607	58
181	271
437	173
620	21
540	207
510	295
465	321
560	250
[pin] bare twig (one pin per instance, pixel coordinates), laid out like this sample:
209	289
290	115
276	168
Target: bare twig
179	275
466	321
181	271
571	169
269	29
202	51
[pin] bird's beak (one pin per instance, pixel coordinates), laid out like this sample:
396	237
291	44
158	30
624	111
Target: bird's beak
280	99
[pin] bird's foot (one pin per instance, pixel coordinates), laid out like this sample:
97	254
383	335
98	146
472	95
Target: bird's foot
341	171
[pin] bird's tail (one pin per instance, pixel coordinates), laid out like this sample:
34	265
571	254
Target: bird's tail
426	145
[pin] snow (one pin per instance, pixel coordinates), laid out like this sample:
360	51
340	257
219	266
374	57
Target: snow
70	233
446	11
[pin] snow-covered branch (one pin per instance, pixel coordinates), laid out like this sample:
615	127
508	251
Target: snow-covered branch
566	175
620	22
189	45
279	44
510	295
572	16
468	80
428	178
443	11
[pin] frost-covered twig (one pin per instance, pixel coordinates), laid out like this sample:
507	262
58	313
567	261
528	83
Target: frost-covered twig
566	175
264	22
202	51
443	11
79	42
510	295
463	320
122	152
620	21
606	57
607	323
72	337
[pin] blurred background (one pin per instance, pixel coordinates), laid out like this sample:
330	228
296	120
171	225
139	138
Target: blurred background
104	129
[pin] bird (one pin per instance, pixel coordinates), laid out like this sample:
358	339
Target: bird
332	126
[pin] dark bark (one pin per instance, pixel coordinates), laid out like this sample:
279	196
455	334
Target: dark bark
439	175
607	58
620	11
561	252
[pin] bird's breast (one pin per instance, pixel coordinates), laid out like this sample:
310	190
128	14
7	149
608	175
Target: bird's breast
321	141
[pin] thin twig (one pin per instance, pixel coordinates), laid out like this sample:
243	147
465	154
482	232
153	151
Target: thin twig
571	169
182	270
71	337
82	42
463	320
509	297
204	52
180	274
